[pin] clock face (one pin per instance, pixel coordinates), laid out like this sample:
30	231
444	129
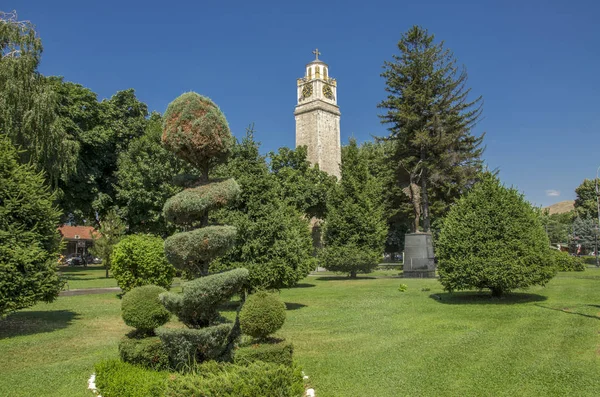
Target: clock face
328	92
307	91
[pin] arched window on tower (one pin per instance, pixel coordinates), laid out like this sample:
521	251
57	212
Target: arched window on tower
317	72
309	73
324	72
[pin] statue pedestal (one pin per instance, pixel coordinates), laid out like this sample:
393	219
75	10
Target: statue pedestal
418	256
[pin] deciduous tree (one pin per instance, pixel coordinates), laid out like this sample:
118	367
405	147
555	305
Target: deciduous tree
110	232
28	106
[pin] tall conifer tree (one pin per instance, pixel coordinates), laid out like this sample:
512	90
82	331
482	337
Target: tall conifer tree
431	119
355	229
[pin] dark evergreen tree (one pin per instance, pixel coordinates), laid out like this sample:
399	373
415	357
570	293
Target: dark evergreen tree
397	207
492	238
29	239
585	235
431	118
355	229
273	240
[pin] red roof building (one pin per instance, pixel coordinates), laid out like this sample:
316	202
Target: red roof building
78	239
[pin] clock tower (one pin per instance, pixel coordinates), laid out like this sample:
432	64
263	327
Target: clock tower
318	117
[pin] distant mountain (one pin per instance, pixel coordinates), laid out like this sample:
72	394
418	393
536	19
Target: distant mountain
562	207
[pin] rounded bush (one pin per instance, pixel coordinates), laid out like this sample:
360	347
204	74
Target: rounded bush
262	314
139	260
141	308
196	130
493	238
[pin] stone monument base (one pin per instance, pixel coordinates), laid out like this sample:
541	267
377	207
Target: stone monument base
418	258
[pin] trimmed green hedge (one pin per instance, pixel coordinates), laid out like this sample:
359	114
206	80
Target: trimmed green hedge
115	378
277	353
257	379
197	305
349	259
190	205
147	352
139	259
567	263
187	346
141	308
262	314
186	249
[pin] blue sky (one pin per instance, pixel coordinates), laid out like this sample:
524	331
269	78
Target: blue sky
534	62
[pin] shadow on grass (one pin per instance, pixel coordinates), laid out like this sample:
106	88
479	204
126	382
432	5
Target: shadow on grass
572	310
303	285
78	277
294	306
35	322
482	298
344	278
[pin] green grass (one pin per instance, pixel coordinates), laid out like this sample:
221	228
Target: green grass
363	337
93	276
357	337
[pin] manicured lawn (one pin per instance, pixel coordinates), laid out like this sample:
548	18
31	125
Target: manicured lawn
93	276
358	337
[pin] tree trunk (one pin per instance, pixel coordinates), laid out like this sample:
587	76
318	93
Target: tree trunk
496	292
353	274
425	202
106	267
204	179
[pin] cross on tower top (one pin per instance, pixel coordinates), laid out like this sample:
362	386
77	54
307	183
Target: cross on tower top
317	53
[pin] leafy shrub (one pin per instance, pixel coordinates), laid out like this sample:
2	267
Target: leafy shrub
141	308
492	238
262	314
115	378
147	352
349	259
258	379
277	353
588	260
402	287
29	241
187	346
139	260
567	263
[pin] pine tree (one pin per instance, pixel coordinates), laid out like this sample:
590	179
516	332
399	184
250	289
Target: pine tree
29	239
355	229
430	120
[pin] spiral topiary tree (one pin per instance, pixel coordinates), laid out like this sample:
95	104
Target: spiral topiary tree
196	130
